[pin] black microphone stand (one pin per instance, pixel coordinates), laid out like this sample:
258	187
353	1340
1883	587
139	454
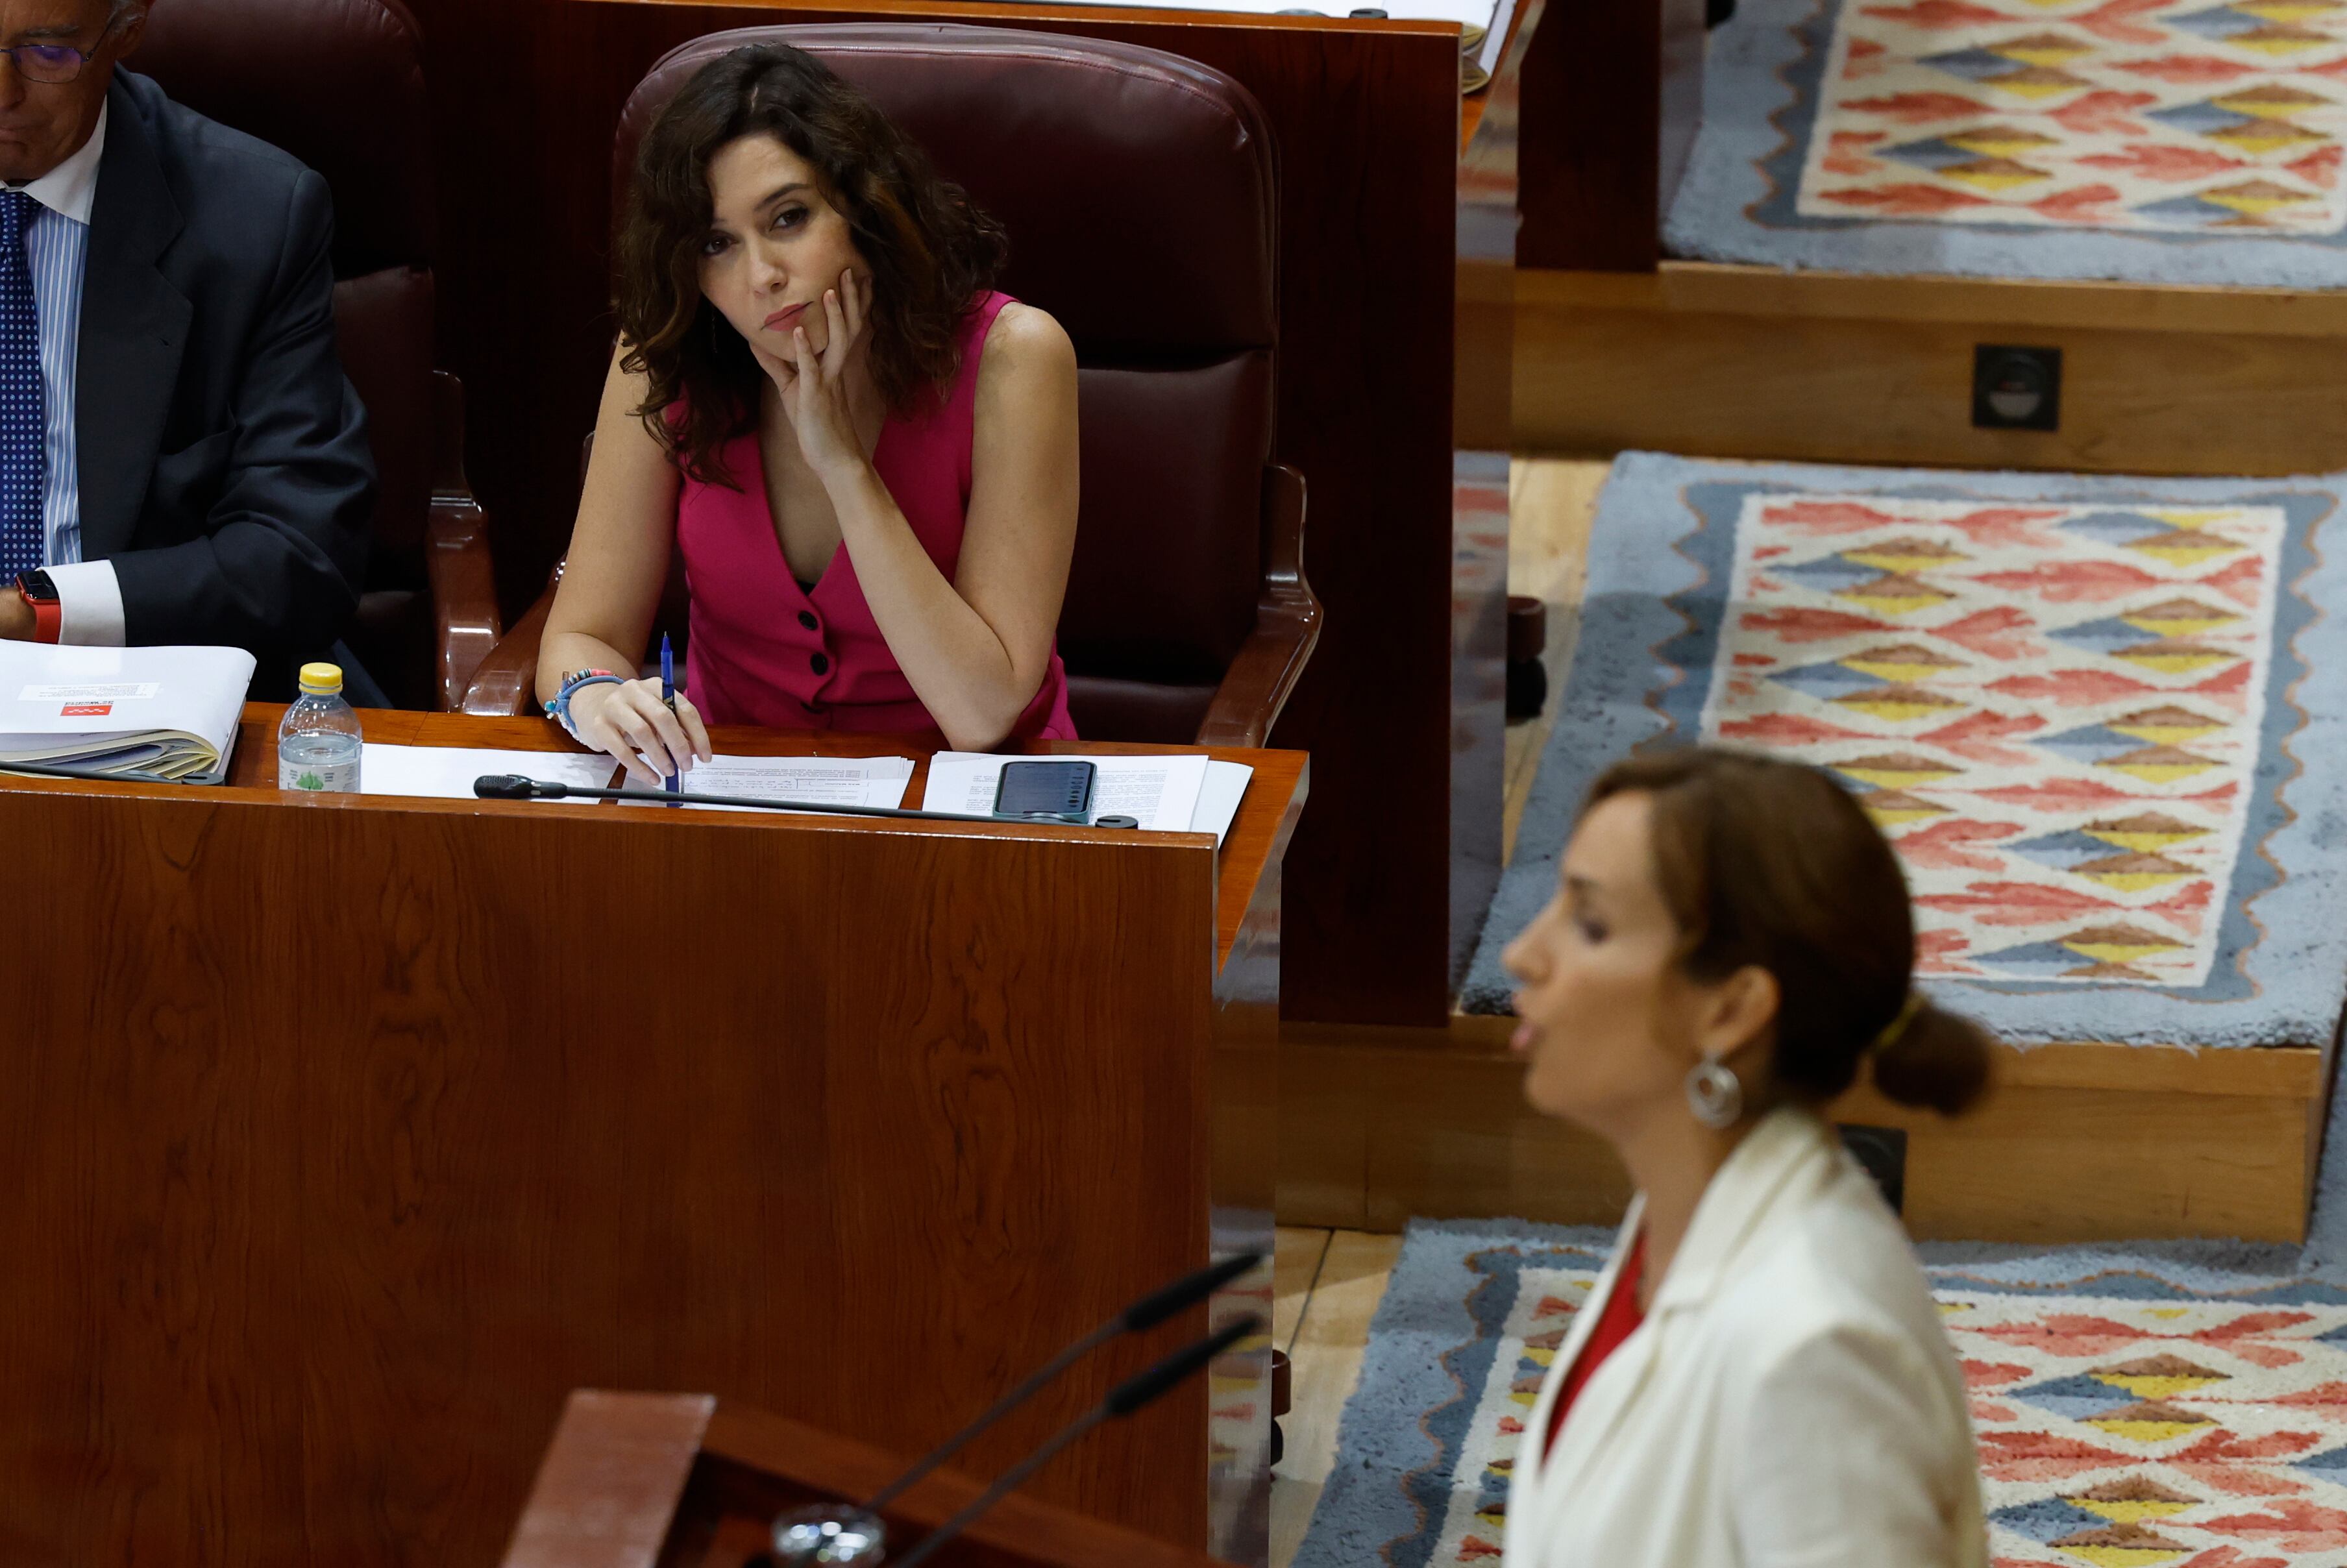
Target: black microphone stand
1144	1314
859	1535
1122	1400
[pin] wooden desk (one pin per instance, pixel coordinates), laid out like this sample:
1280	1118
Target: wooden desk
526	94
348	1134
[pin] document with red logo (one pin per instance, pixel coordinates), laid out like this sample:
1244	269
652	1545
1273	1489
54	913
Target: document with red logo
165	712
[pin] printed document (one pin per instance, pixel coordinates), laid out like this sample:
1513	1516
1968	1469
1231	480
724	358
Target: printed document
1161	791
1218	800
446	772
819	780
165	711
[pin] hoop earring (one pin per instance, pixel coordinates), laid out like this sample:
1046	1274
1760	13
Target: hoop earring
1715	1094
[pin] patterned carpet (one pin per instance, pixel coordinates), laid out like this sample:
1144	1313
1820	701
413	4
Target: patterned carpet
2078	707
2158	141
2181	1403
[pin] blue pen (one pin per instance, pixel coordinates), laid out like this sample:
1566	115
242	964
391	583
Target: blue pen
668	691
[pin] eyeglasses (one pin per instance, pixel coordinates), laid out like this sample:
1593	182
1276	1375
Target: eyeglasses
56	63
51	62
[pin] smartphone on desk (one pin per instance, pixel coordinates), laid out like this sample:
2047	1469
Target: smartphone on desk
1045	791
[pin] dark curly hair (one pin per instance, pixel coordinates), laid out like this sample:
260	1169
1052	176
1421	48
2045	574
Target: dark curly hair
931	253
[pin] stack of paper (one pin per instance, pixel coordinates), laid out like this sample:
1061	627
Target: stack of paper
1173	793
446	772
165	711
1218	801
819	780
1180	792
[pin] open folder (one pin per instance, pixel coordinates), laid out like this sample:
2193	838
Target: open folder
166	711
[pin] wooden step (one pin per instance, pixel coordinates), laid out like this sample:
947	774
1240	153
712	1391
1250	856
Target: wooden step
2076	1141
1733	361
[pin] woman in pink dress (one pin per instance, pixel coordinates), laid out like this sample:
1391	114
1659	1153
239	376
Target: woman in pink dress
866	456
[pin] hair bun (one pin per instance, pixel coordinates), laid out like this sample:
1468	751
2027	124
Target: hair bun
1933	1058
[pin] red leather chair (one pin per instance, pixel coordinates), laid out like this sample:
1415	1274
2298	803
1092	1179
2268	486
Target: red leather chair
339	84
1141	192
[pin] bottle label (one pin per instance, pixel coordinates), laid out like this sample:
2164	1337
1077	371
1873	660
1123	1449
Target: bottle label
324	777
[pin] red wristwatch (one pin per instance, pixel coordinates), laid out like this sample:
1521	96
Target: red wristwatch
48	616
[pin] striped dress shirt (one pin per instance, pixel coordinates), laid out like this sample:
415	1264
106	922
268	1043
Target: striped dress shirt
56	250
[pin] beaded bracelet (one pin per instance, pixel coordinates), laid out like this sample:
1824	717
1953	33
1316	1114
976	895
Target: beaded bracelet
558	708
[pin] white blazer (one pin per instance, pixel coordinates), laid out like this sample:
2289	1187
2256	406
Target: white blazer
1790	1400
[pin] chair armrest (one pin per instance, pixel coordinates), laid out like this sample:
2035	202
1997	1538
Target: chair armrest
456	559
463	593
1286	625
503	684
506	684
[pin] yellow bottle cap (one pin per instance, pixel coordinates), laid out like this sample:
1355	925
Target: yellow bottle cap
322	678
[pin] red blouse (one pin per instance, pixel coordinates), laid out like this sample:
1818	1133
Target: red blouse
1616	1323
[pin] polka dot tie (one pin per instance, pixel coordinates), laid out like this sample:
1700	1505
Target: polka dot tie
22	459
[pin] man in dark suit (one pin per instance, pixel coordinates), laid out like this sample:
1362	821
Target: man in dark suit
181	460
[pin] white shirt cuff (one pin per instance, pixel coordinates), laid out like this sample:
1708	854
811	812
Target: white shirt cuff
90	604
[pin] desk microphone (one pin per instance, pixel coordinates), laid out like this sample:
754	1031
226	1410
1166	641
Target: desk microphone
819	1535
516	786
800	1535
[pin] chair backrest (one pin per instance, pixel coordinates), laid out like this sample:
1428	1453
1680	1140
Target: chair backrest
1141	194
339	84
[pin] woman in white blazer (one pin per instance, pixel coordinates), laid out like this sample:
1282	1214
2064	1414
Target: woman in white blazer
1759	1378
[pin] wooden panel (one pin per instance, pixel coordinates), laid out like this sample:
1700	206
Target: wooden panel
1612	95
348	1134
1246	1068
1731	289
1485	336
1244	1184
1479	695
524	95
1323	1136
2077	1142
1725	365
2058	1164
1455	1133
607	1491
1259	836
2292	1074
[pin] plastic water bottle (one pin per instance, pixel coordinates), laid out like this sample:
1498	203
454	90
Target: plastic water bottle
318	744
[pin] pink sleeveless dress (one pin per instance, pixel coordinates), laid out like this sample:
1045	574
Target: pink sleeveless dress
764	651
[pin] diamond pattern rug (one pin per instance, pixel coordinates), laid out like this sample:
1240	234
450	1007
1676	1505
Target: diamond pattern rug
2158	141
2061	817
2078	707
2179	1403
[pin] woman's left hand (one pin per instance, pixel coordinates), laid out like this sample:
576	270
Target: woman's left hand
813	388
